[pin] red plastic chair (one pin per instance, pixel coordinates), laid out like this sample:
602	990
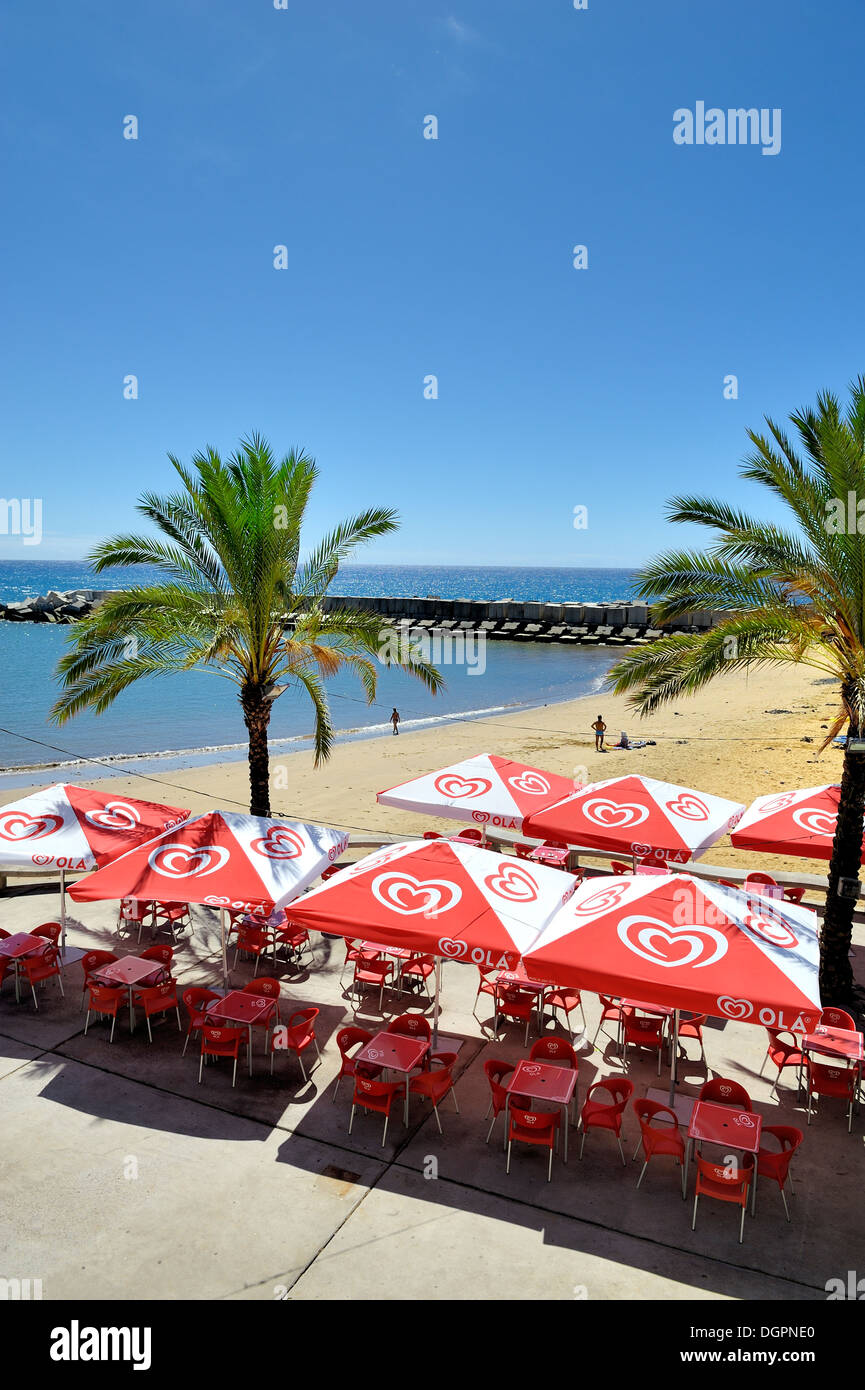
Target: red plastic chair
353	952
410	1025
516	1004
432	835
4	935
794	895
50	930
296	1036
567	1000
370	968
374	1095
436	1083
267	988
495	1072
837	1082
253	941
163	953
296	941
158	1000
638	1031
220	1042
659	1134
522	850
331	870
720	1091
725	1185
346	1040
775	1164
133	913
537	1127
420	968
107	1002
833	1017
486	984
784	1054
195	1000
760	880
171	917
619	868
43	967
90	961
611	1012
693	1028
554	1050
600	1114
473	836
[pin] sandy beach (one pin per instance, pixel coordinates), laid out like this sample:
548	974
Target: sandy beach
743	737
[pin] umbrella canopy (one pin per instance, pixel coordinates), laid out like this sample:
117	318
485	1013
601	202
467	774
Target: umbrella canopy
488	790
456	901
73	828
221	859
795	822
676	940
639	816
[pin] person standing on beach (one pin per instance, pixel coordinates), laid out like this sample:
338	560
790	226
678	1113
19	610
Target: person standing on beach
394	719
600	729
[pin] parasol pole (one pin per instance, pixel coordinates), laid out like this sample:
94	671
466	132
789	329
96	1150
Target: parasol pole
435	1036
675	1058
224	950
63	912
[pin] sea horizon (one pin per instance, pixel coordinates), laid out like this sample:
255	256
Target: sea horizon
189	719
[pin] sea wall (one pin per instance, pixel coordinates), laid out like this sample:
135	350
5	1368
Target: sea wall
615	623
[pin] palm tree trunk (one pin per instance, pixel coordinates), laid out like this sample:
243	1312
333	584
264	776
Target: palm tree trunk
836	974
256	716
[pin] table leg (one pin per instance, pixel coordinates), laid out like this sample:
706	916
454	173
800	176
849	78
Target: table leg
131	1011
507	1106
249	1049
405	1112
565	1108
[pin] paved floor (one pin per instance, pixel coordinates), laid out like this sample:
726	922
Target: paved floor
123	1177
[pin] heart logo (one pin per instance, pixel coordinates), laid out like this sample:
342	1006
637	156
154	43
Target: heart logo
611	814
280	842
176	861
735	1008
403	893
689	807
18	825
515	884
452	949
671	946
457	788
773	804
773	929
532	783
816	821
601	901
115	815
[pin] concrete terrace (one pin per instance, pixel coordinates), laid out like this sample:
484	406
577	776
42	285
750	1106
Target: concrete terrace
125	1178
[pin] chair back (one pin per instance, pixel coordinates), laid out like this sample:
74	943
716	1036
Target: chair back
736	1180
266	986
721	1091
347	1038
833	1017
410	1025
554	1050
162	953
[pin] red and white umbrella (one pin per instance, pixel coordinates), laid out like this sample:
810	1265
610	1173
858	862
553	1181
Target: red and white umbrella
493	792
638	816
795	822
74	829
221	859
452	900
677	940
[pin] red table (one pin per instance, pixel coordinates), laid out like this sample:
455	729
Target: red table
395	1052
130	971
21	944
249	1010
846	1043
518	979
399	953
543	1081
553	858
724	1125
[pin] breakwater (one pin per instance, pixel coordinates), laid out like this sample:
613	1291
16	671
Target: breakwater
616	623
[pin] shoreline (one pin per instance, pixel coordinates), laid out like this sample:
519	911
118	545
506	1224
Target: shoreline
741	738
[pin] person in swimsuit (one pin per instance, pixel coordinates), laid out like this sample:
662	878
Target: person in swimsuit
394	719
600	729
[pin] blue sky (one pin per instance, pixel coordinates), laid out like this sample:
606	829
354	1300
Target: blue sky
407	257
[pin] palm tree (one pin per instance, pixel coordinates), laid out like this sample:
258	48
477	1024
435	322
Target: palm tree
236	599
795	594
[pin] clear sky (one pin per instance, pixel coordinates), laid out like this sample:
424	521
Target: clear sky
407	257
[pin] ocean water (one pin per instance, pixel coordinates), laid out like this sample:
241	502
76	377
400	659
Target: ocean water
180	720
